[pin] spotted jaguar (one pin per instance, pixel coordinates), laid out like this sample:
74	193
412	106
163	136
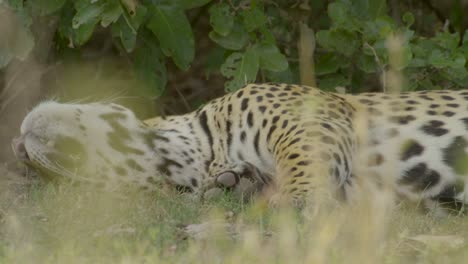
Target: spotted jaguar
299	139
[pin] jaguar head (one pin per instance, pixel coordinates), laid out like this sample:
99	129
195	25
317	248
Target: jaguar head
89	142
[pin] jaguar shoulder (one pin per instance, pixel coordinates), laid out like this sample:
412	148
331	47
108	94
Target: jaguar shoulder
299	138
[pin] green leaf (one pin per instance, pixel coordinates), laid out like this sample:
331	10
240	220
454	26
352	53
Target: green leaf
408	19
135	20
46	7
422	49
80	4
439	59
270	58
174	33
427	84
447	40
367	63
417	63
241	67
464	47
80	35
235	40
324	40
327	63
407	35
407	57
254	18
340	41
379	29
84	32
285	76
367	9
65	31
189	4
330	82
127	26
177	4
456	75
111	13
267	36
229	67
221	19
149	63
341	16
385	27
87	15
379	48
122	30
458	61
338	12
377	8
69	34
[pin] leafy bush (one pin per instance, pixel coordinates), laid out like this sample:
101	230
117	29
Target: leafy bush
357	42
257	39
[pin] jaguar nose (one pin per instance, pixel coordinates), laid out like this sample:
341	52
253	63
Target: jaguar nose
19	148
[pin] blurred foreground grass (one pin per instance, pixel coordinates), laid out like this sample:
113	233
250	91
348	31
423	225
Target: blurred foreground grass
65	224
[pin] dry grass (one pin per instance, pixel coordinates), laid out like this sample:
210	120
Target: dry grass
72	224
